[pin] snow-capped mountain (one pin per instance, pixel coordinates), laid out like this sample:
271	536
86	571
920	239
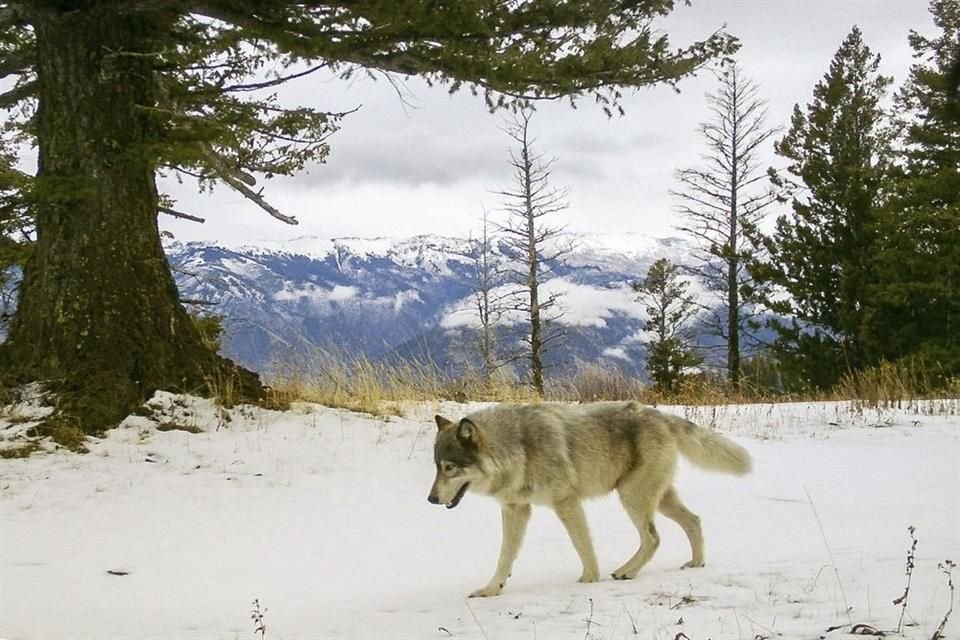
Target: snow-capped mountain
408	298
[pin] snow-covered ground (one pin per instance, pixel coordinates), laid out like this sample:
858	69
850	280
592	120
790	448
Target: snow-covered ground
321	515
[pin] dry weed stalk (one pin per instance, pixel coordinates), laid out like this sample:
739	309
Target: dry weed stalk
257	616
946	567
910	564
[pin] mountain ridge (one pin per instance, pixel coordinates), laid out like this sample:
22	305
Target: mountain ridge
406	298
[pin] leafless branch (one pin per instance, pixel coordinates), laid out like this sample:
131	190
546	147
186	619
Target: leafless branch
180	214
199	303
258	200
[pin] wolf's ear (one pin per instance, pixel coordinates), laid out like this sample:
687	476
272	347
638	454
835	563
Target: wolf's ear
442	423
468	433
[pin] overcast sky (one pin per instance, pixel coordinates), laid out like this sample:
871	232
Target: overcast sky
430	165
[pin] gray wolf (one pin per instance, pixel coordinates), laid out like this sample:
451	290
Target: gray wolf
557	455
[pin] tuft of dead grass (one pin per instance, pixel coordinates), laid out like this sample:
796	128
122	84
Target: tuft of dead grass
896	384
23	450
591	383
357	383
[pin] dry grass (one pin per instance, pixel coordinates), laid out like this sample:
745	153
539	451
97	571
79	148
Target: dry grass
703	390
176	426
358	383
896	384
591	383
19	450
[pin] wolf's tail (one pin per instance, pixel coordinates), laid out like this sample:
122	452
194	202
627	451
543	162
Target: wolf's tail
708	449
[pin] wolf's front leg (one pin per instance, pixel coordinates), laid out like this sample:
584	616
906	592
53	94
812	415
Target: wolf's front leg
570	512
515	518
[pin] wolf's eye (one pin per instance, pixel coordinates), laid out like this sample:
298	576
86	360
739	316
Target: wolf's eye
449	468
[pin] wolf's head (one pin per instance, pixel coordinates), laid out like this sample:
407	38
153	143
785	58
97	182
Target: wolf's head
456	453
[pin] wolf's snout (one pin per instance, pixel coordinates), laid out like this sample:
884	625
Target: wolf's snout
432	499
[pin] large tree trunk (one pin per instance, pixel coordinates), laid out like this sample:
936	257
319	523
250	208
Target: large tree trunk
99	315
533	281
733	281
536	335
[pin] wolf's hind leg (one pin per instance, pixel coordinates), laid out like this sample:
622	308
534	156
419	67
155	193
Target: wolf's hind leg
570	512
515	518
671	507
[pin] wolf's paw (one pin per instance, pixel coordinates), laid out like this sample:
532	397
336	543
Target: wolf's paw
488	591
590	576
623	574
693	564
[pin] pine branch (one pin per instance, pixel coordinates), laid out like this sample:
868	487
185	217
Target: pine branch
280	79
19	93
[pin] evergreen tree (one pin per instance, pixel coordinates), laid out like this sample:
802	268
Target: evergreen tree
822	256
916	298
722	203
115	91
669	311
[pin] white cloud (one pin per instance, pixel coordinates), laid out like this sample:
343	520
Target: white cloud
617	352
403	297
580	305
314	294
586	306
340	293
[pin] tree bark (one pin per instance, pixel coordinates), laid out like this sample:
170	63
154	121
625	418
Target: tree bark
99	315
533	276
733	257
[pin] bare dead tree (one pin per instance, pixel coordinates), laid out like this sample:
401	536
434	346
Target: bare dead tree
723	201
538	248
491	298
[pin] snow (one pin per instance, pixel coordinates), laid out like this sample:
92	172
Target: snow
242	267
629	243
612	251
321	515
18	420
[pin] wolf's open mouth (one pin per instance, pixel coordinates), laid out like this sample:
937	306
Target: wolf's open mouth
457	498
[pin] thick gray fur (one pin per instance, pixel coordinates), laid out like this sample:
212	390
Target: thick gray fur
559	454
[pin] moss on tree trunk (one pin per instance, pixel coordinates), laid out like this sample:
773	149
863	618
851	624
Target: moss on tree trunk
99	315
